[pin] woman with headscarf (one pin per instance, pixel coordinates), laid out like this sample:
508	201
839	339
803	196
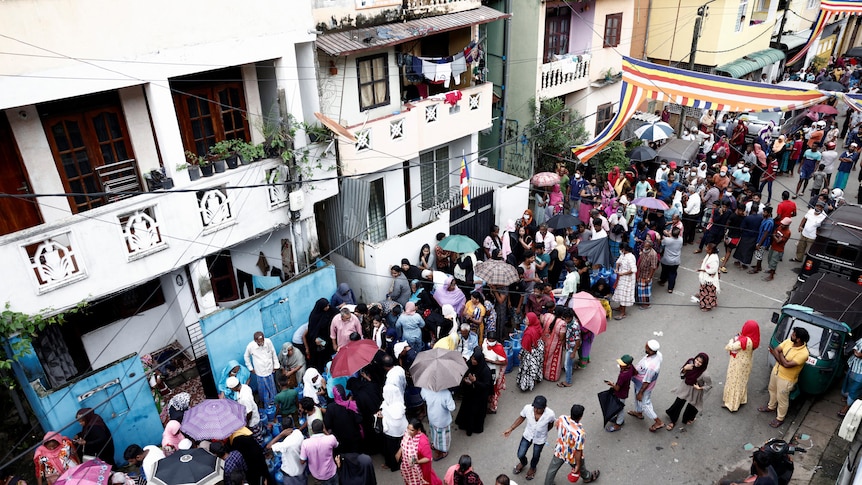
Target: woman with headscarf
54	456
95	438
420	296
449	294
318	346
532	354
709	279
609	198
343	296
232	369
529	223
508	240
741	349
393	412
292	364
474	314
447	333
558	256
314	386
555	202
614	176
476	386
495	356
554	338
737	141
409	327
781	151
356	469
415	456
342	419
490	318
760	166
695	383
178	405
368	396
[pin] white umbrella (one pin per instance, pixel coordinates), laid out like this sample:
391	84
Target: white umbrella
654	131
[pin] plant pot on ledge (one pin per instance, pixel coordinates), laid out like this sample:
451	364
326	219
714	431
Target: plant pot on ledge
194	172
220	166
167	183
207	170
232	161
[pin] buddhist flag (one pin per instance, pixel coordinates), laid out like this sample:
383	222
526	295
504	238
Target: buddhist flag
465	185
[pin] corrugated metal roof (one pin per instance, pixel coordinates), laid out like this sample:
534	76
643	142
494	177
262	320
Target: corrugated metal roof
750	63
358	40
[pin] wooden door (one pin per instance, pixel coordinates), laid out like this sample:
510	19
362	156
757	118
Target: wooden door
15	213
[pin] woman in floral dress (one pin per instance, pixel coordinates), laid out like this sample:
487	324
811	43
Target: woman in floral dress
741	348
554	338
532	354
56	455
415	456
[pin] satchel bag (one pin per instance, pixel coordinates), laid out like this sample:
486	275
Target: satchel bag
378	425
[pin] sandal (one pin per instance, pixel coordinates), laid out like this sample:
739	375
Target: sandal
441	456
656	427
531	474
563	384
776	423
723	269
635	414
765	409
698	251
670	426
611	428
518	469
619	317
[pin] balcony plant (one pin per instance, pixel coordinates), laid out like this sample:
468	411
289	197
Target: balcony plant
203	164
248	152
191	165
225	150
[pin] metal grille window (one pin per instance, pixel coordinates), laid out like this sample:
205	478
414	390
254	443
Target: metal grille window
434	176
376	212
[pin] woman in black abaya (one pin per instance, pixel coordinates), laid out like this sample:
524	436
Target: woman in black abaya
476	387
318	346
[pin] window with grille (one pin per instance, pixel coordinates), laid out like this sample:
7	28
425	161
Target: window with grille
740	15
434	176
613	27
210	109
558	20
373	81
604	115
377	212
85	133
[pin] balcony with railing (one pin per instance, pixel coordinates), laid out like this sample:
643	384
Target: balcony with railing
567	74
417	127
133	239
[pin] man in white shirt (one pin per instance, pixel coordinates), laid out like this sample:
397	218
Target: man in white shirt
808	228
598	232
262	360
540	418
661	172
146	458
614	238
691	215
545	238
829	158
245	397
288	444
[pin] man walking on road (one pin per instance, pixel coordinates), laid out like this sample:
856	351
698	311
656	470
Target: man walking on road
648	370
570	447
790	357
540	419
261	359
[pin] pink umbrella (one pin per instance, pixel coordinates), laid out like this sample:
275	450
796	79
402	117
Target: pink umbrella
650	203
93	472
590	312
352	357
545	179
824	109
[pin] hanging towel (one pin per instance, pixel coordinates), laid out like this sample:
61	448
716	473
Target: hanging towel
265	282
429	70
459	66
444	73
453	97
262	263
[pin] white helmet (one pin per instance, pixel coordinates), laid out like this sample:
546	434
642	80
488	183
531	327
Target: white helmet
837	193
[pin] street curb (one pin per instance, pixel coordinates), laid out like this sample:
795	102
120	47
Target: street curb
798	420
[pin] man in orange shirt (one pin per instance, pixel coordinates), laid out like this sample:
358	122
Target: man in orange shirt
786	208
816	135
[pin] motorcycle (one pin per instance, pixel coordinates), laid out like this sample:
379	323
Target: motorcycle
780	459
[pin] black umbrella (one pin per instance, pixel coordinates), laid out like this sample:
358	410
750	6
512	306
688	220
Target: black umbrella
831	86
611	405
642	154
596	252
188	467
561	221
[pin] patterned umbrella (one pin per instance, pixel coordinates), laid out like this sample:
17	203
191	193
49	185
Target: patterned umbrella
438	369
213	419
654	131
496	272
352	357
458	243
545	179
189	467
650	203
93	472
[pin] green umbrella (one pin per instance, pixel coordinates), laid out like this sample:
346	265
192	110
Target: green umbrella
458	243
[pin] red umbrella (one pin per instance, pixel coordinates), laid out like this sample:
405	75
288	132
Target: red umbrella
590	312
824	109
352	357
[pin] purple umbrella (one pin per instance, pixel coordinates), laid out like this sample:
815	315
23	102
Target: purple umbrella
650	203
214	419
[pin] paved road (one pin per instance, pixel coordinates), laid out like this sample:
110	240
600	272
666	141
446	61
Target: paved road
698	454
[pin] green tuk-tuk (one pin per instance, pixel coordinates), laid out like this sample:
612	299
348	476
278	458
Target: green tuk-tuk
830	309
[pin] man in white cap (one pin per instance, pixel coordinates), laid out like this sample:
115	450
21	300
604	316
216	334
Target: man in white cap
252	416
262	360
648	369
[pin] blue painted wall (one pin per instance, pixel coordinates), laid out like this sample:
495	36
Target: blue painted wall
119	393
277	314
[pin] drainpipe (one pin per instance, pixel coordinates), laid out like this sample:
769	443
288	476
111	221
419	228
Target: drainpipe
507	37
646	32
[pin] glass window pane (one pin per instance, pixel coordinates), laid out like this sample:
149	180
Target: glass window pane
101	128
58	131
68	161
120	150
107	153
75	137
114	125
192	104
83	162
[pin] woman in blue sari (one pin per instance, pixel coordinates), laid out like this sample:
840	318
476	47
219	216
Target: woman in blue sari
232	369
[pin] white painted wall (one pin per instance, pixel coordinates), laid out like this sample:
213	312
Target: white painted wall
510	202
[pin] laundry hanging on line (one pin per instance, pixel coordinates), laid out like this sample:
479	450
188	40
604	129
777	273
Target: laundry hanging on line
439	70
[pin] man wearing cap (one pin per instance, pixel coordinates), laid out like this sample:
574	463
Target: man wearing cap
790	357
647	374
342	326
776	248
847	162
245	397
615	236
262	360
816	135
808	229
540	419
621	390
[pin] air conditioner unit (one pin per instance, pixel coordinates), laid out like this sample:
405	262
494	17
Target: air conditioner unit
297	200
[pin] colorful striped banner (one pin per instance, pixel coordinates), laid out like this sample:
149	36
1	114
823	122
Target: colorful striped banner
642	79
828	9
852	100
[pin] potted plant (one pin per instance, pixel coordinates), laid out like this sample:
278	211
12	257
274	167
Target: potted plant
224	150
192	166
248	152
206	165
316	133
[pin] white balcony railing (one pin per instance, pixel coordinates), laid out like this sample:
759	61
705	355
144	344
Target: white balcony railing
451	6
565	75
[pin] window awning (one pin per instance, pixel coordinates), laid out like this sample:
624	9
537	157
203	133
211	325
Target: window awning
353	41
793	41
750	63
